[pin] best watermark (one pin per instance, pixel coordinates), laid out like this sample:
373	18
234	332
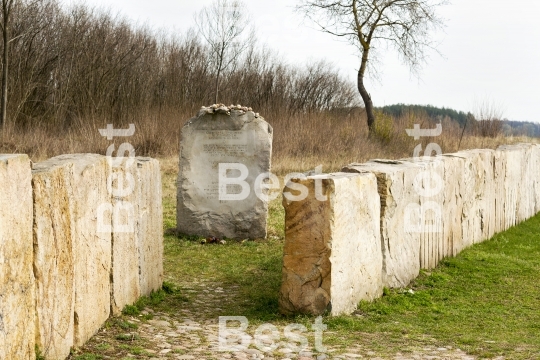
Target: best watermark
427	184
122	212
266	337
263	184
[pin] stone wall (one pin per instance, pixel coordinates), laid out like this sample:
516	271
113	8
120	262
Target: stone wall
480	193
97	246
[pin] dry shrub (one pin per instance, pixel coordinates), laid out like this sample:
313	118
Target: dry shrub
383	129
301	142
489	117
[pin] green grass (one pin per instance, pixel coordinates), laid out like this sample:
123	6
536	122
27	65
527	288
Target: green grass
486	300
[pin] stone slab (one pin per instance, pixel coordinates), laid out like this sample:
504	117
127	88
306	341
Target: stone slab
219	137
332	254
149	231
92	242
137	258
400	243
526	201
485	194
512	179
53	259
536	161
125	281
17	291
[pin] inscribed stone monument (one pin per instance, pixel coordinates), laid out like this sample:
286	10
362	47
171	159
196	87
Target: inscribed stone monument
239	142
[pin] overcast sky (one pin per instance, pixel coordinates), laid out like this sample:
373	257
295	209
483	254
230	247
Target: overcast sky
490	49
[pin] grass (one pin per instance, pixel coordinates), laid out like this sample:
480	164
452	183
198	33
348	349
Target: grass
485	301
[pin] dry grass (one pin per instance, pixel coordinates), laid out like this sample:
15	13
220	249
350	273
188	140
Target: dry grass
301	142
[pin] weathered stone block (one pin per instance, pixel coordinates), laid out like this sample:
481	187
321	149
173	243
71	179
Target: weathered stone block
400	239
526	202
126	196
469	192
512	179
92	245
137	259
430	185
499	176
53	258
485	185
17	291
149	231
208	140
451	238
536	176
332	254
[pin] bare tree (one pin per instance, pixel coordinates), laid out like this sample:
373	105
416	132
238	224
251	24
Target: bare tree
7	6
489	118
402	24
222	25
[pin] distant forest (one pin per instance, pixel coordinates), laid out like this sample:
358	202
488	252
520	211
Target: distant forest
517	128
433	112
509	127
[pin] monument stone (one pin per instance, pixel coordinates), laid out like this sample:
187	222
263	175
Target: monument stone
224	151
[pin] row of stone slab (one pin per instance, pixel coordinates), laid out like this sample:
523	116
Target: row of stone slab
79	240
385	220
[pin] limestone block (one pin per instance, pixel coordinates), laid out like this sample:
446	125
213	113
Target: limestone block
470	193
499	176
512	180
137	248
536	176
332	253
452	206
526	194
92	242
53	258
126	196
429	184
17	292
149	231
208	140
519	185
484	194
474	190
400	237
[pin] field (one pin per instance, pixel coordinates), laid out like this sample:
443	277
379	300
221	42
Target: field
481	304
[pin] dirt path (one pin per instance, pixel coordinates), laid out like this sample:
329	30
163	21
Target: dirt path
191	332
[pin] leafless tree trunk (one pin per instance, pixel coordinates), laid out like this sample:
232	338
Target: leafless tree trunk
5	25
403	24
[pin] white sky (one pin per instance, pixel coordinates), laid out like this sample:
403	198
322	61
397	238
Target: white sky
490	48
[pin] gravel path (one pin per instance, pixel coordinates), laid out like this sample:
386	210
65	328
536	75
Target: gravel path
192	333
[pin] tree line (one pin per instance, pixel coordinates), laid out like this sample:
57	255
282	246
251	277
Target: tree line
433	112
83	64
